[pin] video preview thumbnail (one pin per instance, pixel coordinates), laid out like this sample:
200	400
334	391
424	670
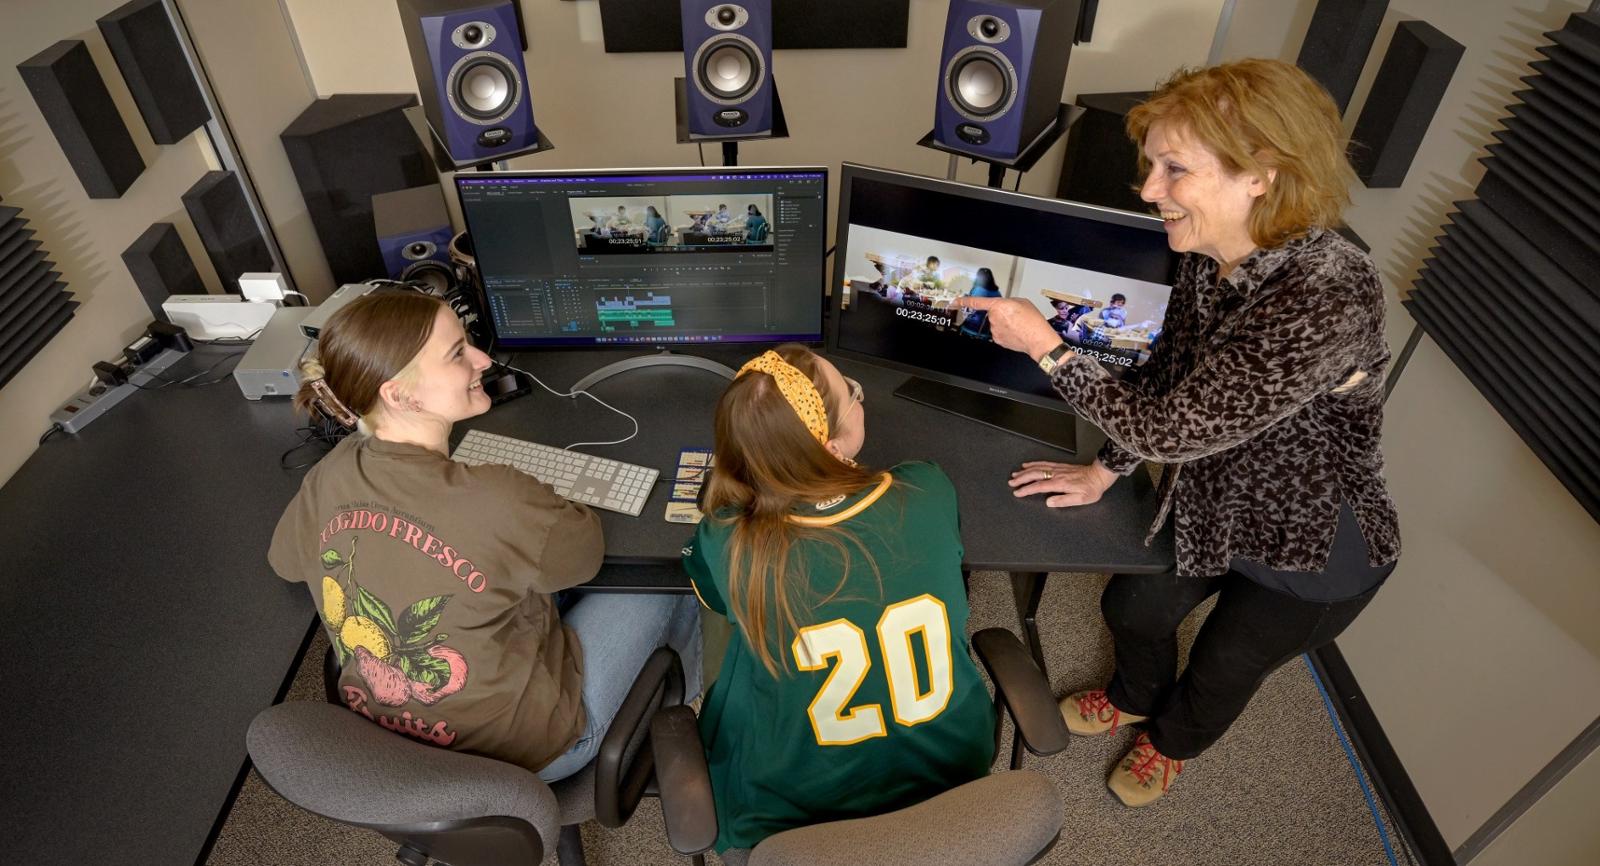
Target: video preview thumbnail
606	225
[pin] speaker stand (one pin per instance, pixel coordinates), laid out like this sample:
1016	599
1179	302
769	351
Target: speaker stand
730	143
1066	115
442	159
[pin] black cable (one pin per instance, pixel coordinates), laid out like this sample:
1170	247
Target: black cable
323	432
701	146
54	429
1018	185
189	381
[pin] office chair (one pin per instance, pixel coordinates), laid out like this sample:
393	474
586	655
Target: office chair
1005	819
454	807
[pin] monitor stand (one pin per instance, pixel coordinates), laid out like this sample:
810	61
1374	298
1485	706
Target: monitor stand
1058	429
662	358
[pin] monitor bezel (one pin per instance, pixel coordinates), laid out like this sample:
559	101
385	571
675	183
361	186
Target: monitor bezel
535	344
848	174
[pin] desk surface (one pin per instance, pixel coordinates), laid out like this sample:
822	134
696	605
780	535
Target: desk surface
145	623
674	406
150	630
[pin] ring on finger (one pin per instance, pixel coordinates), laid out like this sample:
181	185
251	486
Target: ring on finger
1048	474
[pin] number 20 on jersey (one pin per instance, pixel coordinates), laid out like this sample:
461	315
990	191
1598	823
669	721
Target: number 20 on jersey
844	646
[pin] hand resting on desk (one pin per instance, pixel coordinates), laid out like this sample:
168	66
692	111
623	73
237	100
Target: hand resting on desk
1072	484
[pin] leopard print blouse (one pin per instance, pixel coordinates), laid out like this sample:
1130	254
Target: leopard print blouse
1239	396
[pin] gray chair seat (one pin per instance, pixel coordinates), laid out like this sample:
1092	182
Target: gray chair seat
334	763
1010	817
456	807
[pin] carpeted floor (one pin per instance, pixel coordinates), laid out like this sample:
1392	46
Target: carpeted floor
1275	790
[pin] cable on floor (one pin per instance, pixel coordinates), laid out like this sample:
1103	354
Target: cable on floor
1350	755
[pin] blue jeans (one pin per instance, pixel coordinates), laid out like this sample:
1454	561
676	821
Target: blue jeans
619	631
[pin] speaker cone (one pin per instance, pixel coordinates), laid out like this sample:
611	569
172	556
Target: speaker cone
418	250
485	88
729	70
980	86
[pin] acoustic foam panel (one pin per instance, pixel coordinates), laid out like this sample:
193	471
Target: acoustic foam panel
1410	85
1338	42
344	150
654	25
221	216
78	109
152	62
34	303
161	267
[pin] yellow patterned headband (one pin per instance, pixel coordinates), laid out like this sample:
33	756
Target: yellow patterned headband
796	388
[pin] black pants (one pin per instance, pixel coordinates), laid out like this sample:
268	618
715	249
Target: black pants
1251	632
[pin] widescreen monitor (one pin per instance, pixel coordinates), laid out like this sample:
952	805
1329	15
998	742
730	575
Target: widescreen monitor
910	247
653	257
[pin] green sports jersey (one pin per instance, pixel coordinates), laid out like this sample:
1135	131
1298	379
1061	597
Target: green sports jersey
880	706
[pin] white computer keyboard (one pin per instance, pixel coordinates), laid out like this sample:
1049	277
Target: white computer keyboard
609	484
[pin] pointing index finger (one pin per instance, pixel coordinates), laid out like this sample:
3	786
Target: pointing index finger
973	302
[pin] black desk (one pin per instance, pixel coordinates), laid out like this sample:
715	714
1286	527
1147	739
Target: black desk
143	625
147	629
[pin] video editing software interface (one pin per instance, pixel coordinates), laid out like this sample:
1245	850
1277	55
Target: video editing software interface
911	248
653	256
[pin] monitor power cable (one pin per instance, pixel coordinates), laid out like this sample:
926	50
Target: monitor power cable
575	394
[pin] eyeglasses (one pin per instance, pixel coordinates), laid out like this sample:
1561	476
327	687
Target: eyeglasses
857	393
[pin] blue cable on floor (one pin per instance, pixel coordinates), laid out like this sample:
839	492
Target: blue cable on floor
1350	755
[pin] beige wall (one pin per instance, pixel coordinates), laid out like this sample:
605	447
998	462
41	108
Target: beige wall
1559	831
1482	656
84	237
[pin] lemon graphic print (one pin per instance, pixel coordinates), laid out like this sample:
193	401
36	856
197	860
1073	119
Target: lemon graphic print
400	658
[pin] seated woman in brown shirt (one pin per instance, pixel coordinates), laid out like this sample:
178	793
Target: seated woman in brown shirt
1264	397
434	578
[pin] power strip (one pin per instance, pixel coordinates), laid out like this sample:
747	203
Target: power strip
98	398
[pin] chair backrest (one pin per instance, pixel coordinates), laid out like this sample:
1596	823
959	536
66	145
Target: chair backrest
463	809
1006	819
757	235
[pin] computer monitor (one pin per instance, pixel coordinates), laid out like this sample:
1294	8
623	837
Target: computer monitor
659	257
910	247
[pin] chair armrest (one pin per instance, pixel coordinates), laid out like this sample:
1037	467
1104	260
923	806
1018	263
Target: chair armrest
618	783
1020	684
687	807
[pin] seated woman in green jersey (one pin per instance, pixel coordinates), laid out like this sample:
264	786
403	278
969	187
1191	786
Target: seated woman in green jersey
847	689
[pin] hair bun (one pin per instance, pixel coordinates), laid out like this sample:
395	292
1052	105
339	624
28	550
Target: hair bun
312	368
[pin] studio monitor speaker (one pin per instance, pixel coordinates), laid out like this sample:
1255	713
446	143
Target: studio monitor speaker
413	225
467	56
344	150
152	62
1337	44
727	66
1001	73
161	267
78	108
221	216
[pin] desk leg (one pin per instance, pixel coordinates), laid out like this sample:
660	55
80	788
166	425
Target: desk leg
1027	589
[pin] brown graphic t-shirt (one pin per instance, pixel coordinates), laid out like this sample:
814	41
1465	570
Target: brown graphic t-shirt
433	580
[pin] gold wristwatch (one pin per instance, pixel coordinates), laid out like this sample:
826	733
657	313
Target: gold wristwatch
1052	359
